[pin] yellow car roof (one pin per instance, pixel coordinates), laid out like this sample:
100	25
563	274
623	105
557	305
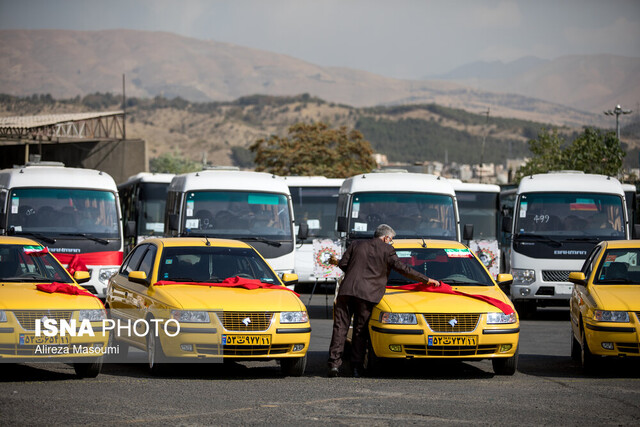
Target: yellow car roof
196	241
15	240
622	244
431	243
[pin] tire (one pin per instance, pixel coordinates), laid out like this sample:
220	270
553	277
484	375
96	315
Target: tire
589	360
155	355
525	309
372	364
506	365
88	370
576	350
293	367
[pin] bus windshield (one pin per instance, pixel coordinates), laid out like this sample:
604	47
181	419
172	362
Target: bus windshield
481	210
570	215
317	207
153	198
238	214
61	211
411	215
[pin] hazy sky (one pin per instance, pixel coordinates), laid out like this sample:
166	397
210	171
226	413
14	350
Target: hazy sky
396	38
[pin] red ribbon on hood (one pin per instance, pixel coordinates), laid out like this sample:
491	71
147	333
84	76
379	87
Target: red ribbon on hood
79	262
232	282
447	289
64	288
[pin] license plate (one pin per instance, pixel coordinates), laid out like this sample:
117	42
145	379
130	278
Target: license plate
452	340
246	340
42	340
564	289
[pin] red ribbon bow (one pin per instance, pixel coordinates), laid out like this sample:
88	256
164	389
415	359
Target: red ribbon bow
63	288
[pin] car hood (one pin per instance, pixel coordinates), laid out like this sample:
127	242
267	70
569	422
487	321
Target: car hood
617	297
25	296
401	301
196	297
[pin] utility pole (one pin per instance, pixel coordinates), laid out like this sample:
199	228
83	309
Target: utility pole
484	137
616	112
124	110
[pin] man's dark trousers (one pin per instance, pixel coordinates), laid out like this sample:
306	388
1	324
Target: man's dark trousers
345	307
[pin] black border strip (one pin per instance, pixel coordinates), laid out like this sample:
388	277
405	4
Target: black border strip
398	331
293	331
609	328
500	331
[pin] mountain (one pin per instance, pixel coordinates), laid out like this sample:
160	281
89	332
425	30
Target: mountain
75	63
587	82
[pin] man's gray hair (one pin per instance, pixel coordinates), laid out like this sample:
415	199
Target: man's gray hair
384	230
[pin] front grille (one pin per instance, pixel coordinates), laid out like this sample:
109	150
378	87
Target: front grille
555	275
464	322
27	318
628	347
445	351
244	350
258	320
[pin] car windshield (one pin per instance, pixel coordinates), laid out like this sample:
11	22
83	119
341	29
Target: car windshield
317	207
567	215
481	210
619	267
238	214
456	267
153	198
30	264
56	211
213	264
411	215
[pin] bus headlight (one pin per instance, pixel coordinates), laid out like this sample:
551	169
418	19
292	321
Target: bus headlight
104	274
522	276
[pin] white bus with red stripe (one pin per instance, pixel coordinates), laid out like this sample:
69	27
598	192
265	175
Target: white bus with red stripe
74	212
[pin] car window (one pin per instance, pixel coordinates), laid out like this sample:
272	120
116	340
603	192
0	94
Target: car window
619	266
147	262
25	263
590	262
133	260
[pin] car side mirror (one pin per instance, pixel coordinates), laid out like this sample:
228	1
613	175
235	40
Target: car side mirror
139	277
303	231
81	276
343	224
467	232
578	278
506	224
289	279
173	222
130	229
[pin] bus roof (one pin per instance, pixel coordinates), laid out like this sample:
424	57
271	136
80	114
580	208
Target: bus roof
399	182
56	177
474	187
147	177
570	182
229	180
313	181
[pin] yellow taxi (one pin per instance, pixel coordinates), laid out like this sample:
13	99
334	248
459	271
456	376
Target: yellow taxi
44	315
214	299
605	303
465	320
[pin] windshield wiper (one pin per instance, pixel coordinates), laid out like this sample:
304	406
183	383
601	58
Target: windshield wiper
27	279
88	236
582	239
39	236
262	240
606	281
545	239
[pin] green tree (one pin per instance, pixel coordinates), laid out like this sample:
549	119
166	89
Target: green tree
590	152
314	149
172	163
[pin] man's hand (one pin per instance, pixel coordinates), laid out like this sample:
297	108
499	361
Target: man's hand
432	282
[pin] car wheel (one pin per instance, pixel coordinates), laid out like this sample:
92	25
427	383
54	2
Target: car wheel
293	367
588	359
372	363
506	365
576	350
88	370
525	309
155	355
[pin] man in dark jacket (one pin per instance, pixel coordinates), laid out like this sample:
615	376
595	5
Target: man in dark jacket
367	265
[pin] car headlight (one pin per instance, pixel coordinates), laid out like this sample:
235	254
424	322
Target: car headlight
3	316
523	276
92	315
493	318
188	316
611	316
399	318
294	317
105	274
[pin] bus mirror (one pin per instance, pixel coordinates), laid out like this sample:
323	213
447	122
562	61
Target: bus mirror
343	224
506	224
303	231
636	231
130	230
173	222
467	233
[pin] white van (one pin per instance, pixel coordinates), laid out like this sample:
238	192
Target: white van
558	218
253	207
415	205
143	199
315	199
74	212
479	205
